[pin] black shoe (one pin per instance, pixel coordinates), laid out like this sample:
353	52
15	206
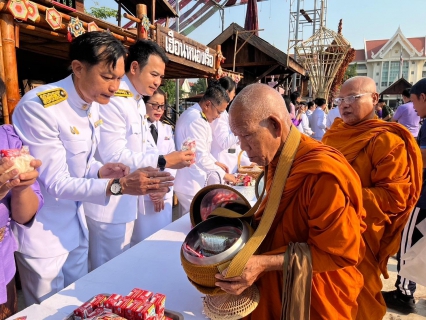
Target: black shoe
398	301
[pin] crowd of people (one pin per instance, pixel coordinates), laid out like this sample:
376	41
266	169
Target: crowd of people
106	165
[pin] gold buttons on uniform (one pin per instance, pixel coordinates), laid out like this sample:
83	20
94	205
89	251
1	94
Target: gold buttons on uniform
85	107
137	97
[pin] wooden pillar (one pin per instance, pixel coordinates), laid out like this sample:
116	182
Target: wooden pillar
9	61
153	11
6	118
141	10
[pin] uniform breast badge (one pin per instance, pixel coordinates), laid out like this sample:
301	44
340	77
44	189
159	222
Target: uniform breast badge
98	123
74	130
166	138
123	93
52	96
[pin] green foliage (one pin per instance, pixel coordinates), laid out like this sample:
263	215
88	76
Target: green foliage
350	72
199	87
102	12
169	87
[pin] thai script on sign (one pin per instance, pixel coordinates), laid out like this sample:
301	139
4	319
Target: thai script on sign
186	51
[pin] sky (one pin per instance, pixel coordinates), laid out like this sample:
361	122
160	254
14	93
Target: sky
362	20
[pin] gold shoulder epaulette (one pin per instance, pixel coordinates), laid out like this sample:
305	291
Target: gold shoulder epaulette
123	93
52	96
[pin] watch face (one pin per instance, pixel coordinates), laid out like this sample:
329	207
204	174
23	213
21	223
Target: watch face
161	162
115	188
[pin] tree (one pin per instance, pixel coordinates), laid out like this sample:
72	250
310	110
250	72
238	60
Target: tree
350	72
169	87
200	86
102	12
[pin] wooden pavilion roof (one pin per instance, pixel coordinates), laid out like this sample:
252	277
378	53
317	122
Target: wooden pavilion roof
397	87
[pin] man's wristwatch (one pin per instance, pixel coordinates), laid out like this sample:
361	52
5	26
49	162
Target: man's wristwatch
161	162
115	187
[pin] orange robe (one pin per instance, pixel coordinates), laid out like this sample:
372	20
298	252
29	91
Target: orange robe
322	206
386	157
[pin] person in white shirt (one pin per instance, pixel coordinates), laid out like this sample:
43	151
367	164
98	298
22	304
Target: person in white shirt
158	206
123	139
303	126
318	119
60	123
225	145
194	124
332	114
311	108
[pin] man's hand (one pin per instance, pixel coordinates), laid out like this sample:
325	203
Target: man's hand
230	178
146	181
223	166
253	269
19	184
159	206
113	171
158	196
179	159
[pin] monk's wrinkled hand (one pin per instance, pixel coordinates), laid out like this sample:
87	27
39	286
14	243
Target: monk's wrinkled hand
237	285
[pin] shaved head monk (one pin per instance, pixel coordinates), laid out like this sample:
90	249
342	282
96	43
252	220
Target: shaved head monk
388	161
320	205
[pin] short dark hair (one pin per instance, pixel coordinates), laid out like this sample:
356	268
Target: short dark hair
406	93
320	102
88	48
141	51
381	101
293	96
310	104
2	87
419	87
225	82
287	103
217	94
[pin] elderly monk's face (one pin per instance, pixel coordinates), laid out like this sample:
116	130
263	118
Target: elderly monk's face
258	140
359	98
419	103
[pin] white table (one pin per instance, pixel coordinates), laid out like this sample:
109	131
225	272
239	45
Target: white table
37	312
154	264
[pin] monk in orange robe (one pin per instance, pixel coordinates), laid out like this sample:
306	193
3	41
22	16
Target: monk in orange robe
321	205
388	161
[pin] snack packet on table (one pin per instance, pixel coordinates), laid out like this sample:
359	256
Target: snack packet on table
189	144
21	158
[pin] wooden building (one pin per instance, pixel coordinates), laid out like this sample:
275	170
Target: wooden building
34	50
254	57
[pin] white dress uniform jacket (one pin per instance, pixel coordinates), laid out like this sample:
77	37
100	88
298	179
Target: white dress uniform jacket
225	145
192	124
317	121
64	136
303	126
149	222
123	140
332	114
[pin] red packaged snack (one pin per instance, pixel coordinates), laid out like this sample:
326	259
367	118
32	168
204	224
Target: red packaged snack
83	311
98	301
96	313
128	310
111	301
140	294
145	312
21	158
159	301
121	305
189	144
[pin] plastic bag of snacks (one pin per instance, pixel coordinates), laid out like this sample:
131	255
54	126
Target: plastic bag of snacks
21	158
217	198
189	144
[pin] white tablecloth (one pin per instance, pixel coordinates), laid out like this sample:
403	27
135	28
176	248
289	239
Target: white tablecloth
154	264
37	312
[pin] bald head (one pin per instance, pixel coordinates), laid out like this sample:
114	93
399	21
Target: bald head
361	97
259	117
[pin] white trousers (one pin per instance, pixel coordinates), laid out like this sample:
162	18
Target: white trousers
43	277
184	202
107	240
149	222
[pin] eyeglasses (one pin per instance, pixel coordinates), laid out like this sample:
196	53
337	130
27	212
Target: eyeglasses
349	99
217	110
157	106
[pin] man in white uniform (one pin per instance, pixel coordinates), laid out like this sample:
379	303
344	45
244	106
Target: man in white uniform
332	114
124	140
194	124
318	119
60	123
